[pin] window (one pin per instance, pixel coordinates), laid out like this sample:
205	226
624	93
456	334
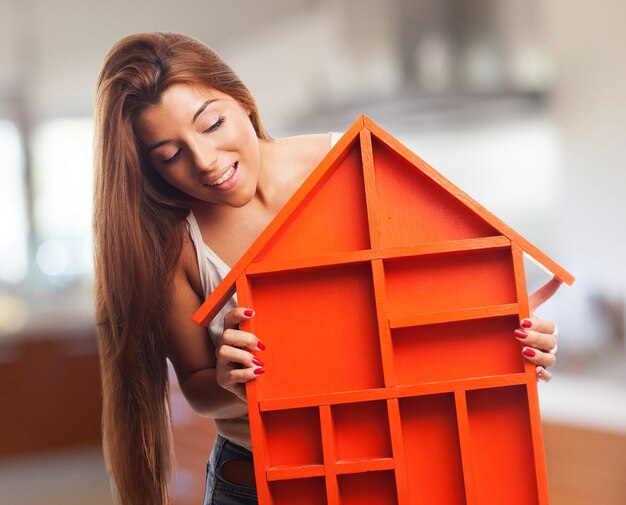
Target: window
62	161
13	221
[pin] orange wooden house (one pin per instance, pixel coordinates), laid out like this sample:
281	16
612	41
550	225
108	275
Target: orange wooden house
388	298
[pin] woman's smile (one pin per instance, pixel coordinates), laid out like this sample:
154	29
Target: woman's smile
227	180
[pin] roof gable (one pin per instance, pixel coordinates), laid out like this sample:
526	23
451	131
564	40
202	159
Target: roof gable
369	193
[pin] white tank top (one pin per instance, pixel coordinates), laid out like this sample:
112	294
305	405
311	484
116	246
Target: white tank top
212	272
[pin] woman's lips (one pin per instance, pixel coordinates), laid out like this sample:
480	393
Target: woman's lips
228	180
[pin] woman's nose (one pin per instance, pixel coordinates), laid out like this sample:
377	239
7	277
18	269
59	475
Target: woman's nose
205	158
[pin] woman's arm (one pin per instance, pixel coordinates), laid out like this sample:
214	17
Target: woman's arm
212	382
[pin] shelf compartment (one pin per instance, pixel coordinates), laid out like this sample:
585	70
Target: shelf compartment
431	443
293	437
313	228
502	446
452	351
416	208
334	305
361	430
299	492
442	283
368	488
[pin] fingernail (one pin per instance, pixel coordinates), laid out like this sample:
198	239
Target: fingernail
259	371
260	345
248	313
540	372
527	323
528	352
257	361
520	333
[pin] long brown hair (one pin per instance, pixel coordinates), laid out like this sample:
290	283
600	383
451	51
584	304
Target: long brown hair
138	234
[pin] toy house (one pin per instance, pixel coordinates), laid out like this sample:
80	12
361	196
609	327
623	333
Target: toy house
388	298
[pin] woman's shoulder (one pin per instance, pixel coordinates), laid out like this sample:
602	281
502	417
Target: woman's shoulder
312	145
188	264
305	151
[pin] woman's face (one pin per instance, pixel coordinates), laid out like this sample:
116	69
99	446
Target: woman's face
202	142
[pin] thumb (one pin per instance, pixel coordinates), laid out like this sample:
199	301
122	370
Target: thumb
544	293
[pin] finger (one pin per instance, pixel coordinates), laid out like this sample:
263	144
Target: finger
240	376
243	339
234	355
537	324
543	293
538	357
543	375
545	342
235	316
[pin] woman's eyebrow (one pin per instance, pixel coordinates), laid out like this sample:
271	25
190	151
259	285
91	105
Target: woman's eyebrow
201	109
158	144
195	116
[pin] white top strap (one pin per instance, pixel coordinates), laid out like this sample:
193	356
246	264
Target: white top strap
199	246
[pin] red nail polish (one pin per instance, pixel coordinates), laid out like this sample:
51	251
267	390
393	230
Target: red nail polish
528	352
527	323
540	373
259	371
257	361
260	345
248	313
520	333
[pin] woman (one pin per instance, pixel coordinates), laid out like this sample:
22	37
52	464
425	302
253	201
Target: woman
181	160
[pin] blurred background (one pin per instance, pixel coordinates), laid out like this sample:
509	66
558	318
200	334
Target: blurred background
521	103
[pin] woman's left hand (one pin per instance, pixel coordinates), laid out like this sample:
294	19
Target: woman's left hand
539	335
539	339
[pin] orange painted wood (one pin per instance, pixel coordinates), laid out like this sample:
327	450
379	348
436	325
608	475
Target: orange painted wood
490	218
450	246
294	472
397	445
438	248
330	457
224	291
270	267
388	298
373	209
427	388
479	348
430	432
258	434
382	315
361	431
364	465
436	284
370	488
465	444
338	305
454	315
502	446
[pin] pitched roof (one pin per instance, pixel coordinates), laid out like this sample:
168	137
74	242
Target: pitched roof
363	124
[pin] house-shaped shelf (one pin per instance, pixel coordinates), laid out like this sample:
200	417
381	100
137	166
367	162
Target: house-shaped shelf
388	298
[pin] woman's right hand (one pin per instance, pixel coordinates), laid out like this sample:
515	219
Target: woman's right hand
236	364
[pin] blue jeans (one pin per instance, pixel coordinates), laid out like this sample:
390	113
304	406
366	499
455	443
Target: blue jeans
219	491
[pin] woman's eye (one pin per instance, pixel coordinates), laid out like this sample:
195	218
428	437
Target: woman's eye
215	125
176	156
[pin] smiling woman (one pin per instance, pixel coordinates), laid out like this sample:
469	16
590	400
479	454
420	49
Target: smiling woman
185	179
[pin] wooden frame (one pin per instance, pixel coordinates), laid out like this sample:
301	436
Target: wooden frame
388	299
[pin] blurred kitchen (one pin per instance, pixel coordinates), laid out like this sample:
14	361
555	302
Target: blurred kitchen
521	103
